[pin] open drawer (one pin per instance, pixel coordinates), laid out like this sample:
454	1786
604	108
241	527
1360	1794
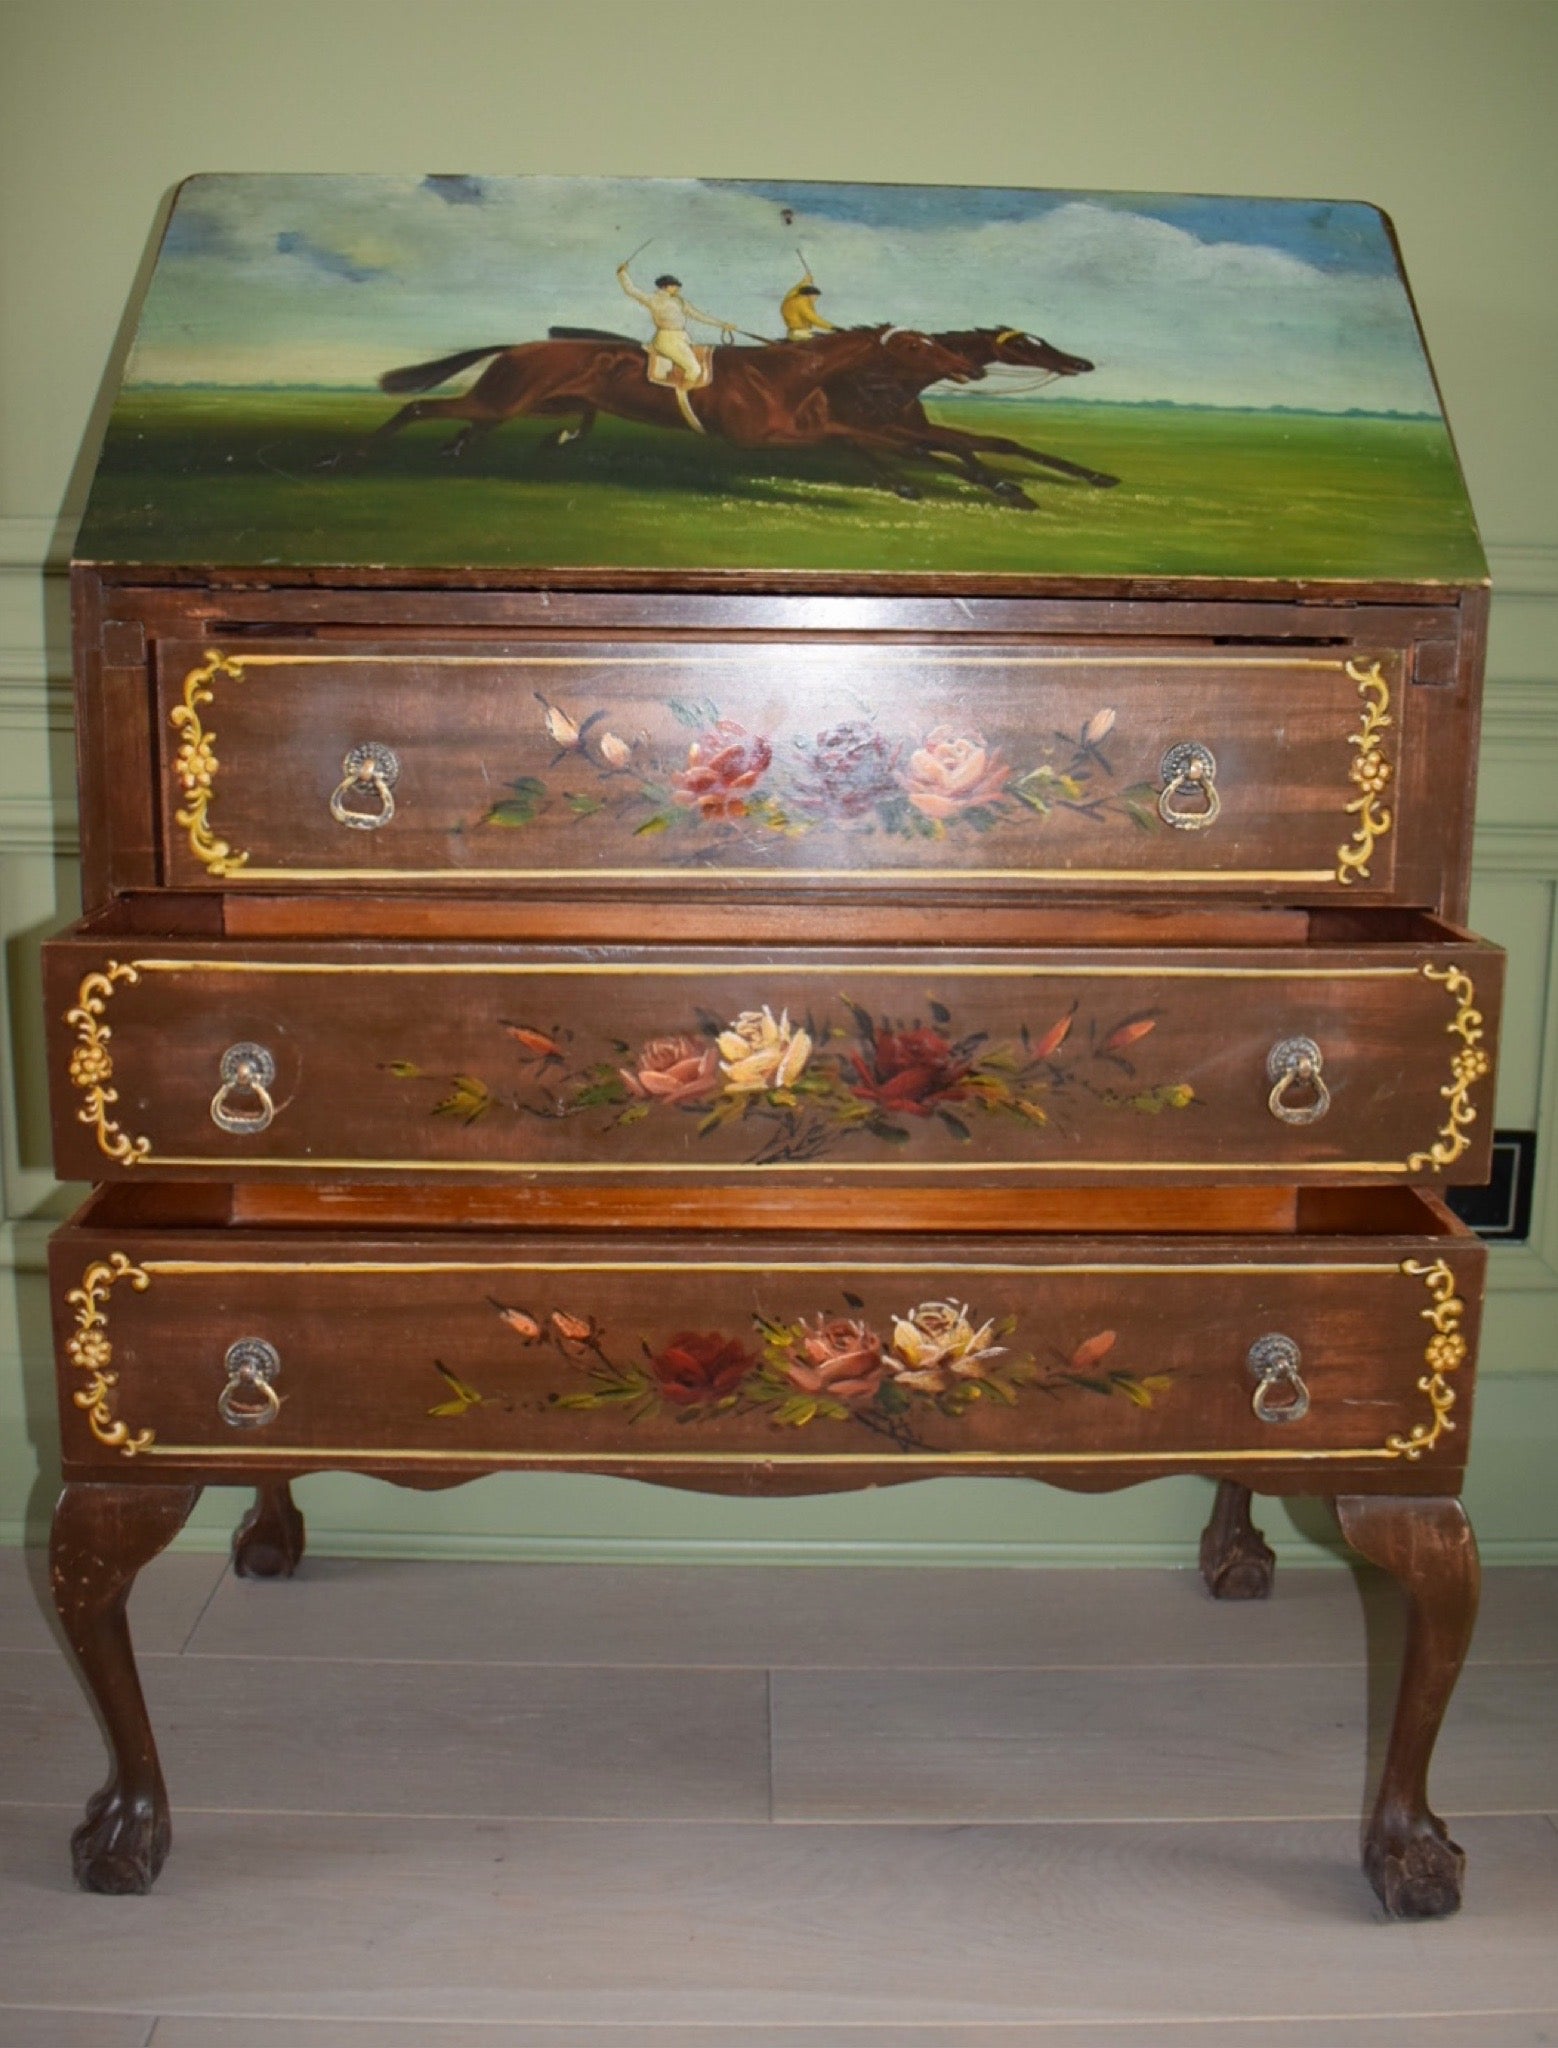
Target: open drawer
1362	1053
1337	1354
661	766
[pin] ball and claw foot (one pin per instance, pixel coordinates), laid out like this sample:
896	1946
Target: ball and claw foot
122	1843
268	1542
1237	1563
1417	1872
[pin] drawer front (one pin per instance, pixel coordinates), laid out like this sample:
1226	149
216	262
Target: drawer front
1362	1063
1121	1355
701	767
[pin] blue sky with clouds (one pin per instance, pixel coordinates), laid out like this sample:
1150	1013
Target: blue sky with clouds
1191	300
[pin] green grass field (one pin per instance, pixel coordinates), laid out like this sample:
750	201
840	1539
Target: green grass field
236	477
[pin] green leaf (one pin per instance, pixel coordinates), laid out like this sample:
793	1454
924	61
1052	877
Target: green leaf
853	1300
599	1094
634	1113
582	804
939	1012
687	713
516	810
1133	1390
468	1099
891	1398
890	1134
865	1024
403	1070
955	1125
658	823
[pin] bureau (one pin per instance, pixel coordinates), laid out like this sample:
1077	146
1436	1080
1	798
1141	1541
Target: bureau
794	898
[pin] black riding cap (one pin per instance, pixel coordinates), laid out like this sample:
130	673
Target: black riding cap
663	284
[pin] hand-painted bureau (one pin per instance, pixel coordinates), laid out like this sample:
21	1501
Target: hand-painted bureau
772	838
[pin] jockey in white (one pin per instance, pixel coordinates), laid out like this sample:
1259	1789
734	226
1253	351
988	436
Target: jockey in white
671	313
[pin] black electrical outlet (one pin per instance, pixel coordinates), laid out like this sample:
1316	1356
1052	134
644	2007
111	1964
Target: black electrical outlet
1501	1212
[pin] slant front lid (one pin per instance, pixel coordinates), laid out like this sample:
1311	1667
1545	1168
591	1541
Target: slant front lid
893	383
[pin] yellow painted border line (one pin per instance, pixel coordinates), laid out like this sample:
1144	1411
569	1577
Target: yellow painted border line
710	1176
343	1266
905	971
1190	876
880	1460
706	655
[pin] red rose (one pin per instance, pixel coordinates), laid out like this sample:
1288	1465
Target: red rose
724	765
909	1070
700	1365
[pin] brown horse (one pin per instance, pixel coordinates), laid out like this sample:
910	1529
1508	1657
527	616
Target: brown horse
766	397
884	397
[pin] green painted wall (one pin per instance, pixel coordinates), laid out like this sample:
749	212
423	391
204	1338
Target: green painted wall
1439	112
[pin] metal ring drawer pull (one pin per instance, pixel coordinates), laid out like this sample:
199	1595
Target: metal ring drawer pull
1275	1362
371	769
247	1071
1187	769
1297	1062
249	1400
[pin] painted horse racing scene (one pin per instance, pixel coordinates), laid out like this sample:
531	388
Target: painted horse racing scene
705	375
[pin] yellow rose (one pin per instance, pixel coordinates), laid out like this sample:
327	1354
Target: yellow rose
758	1053
936	1345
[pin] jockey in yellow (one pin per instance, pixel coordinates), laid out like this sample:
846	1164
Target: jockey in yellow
798	310
671	313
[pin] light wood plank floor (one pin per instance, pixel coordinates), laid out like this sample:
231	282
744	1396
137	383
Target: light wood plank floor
479	1806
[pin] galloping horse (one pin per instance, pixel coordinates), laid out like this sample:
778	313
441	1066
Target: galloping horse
885	397
766	397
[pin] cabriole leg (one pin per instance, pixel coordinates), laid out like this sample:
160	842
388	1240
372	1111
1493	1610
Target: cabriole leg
1236	1561
268	1542
103	1535
1427	1546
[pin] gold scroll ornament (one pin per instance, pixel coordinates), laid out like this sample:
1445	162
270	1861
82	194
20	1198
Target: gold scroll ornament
195	766
1445	1353
92	1066
1468	1066
90	1350
1370	774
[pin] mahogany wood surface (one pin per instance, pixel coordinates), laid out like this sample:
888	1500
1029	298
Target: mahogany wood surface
1237	1562
1084	1361
268	1542
1429	747
1172	1211
550	761
872	1065
103	1533
1428	1547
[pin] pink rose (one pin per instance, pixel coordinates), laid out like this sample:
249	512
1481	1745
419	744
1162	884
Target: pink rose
841	1358
679	1069
952	772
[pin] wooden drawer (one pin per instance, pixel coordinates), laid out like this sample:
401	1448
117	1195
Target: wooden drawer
1341	1353
694	767
827	1065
